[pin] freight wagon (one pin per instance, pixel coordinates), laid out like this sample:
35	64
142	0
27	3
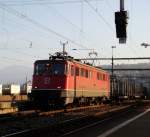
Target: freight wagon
126	88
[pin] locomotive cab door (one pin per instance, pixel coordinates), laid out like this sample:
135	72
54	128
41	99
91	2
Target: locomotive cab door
70	88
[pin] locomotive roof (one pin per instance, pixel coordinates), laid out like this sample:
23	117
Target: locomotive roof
85	64
63	57
73	60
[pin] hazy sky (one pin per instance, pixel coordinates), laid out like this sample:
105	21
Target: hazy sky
31	29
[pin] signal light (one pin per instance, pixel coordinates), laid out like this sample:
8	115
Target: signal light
121	24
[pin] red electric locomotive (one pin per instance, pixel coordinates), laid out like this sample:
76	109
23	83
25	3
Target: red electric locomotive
62	80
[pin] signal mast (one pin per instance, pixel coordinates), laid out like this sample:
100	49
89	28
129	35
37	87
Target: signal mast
121	23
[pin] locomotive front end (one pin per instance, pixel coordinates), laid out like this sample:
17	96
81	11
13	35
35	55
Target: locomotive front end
49	83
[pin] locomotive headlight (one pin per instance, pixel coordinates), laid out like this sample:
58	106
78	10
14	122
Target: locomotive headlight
35	87
59	87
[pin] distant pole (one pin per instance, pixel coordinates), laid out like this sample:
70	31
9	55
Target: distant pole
112	72
122	40
112	66
121	5
26	85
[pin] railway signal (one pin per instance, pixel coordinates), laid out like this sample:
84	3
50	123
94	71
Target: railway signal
121	23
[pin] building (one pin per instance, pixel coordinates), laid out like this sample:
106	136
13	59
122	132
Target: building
10	89
0	89
26	87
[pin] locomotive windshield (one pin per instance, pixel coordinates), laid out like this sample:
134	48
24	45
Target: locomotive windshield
49	68
58	69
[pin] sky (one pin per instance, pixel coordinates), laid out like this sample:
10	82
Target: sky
33	29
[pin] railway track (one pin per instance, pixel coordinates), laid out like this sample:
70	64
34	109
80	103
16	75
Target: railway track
61	127
43	120
35	113
57	114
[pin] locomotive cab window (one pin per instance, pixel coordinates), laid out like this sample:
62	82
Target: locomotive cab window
58	69
98	76
104	78
101	76
82	72
90	74
72	70
77	71
86	74
39	69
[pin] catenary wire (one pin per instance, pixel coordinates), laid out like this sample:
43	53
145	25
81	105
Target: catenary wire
99	15
24	17
44	2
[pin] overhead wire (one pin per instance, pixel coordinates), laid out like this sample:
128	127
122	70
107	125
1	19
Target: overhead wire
66	19
16	50
12	60
99	15
80	29
43	2
82	16
82	22
8	58
43	27
108	4
25	17
22	52
24	27
130	37
7	36
130	31
6	48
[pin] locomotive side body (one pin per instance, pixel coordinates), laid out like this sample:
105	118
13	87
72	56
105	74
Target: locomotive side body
90	84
